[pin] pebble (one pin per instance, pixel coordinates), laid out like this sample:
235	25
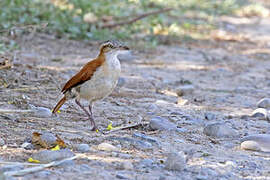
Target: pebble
127	165
47	156
121	176
107	147
264	103
175	161
209	116
184	90
159	123
83	148
257	142
2	142
27	146
260	113
219	130
42	112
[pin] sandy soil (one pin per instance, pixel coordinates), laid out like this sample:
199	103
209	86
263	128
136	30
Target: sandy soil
229	73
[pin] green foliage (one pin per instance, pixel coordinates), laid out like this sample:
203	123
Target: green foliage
67	17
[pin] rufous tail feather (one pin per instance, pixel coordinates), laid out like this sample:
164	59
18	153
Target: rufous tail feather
59	104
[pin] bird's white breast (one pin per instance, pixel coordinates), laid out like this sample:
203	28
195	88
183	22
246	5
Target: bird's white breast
103	81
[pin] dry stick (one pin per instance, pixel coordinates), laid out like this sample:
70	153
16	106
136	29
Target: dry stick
2	111
38	168
125	127
135	19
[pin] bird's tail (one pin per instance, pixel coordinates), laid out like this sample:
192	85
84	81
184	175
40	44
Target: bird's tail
59	104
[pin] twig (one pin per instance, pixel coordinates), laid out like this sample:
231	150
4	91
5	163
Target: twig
112	25
38	168
125	127
15	111
19	163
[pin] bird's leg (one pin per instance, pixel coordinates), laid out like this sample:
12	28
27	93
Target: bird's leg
92	119
88	114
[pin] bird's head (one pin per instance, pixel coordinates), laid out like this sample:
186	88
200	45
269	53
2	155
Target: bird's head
112	46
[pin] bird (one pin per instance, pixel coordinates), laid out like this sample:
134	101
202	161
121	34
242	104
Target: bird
96	79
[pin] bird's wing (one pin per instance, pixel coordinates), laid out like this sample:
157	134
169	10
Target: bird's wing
84	74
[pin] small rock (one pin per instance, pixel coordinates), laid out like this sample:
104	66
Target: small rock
219	130
264	103
42	112
159	123
175	161
2	142
209	116
107	147
260	113
184	90
257	142
126	165
27	146
47	156
121	176
83	148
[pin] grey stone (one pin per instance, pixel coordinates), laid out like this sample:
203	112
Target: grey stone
2	142
47	156
83	148
264	103
209	116
184	90
260	113
107	147
175	161
219	130
27	146
42	112
159	123
256	142
121	176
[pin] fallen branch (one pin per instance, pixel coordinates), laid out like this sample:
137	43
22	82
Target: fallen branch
125	127
38	168
112	25
2	111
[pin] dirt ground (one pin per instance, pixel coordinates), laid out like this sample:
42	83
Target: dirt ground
230	73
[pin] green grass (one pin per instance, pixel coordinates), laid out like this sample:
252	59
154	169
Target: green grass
66	17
